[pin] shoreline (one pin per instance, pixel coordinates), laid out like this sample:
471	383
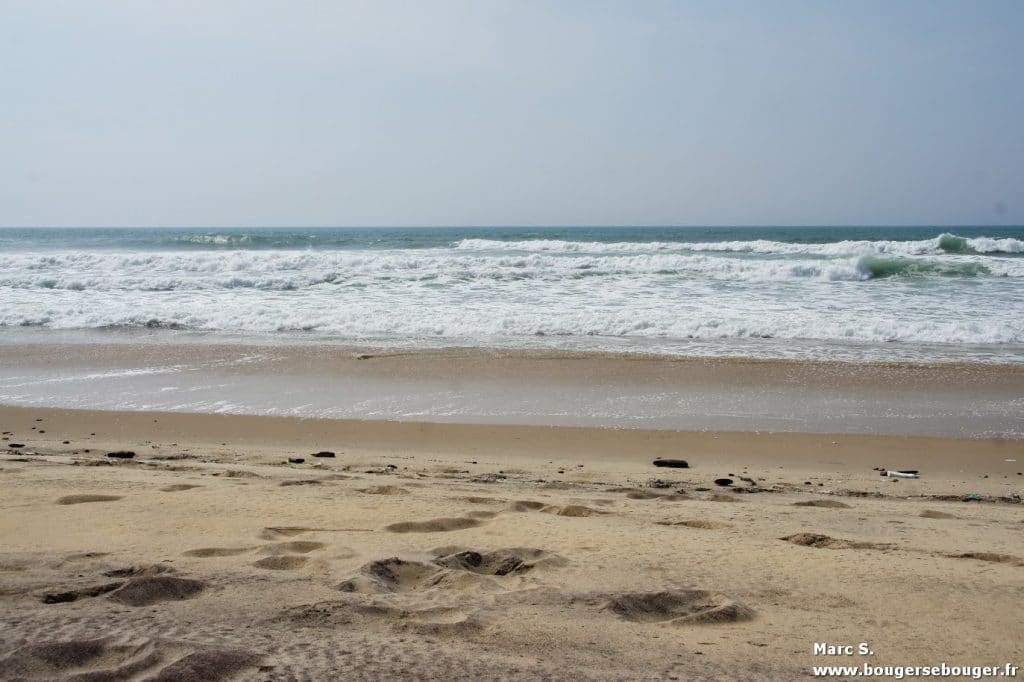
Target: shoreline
539	389
632	348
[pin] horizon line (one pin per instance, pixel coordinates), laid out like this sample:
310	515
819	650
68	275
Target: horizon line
496	226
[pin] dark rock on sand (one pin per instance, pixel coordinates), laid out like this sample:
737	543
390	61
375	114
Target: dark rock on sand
723	481
323	453
15	445
672	463
296	460
122	454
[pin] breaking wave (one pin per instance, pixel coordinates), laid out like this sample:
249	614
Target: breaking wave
291	270
948	289
943	244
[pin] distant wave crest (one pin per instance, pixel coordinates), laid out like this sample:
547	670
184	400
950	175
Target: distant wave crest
943	244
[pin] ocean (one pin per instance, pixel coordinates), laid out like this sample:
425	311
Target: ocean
844	293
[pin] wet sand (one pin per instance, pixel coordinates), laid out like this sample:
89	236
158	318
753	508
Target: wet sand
493	551
532	388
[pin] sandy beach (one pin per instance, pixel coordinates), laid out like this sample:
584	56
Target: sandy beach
511	341
224	548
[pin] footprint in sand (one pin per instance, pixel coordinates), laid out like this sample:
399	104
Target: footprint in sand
210	552
434	621
989	556
139	571
501	562
828	504
527	506
81	499
279	532
573	510
826	542
75	595
433	525
293	547
458	570
703	525
721	498
384	490
286	562
638	494
679	607
930	514
103	659
287	556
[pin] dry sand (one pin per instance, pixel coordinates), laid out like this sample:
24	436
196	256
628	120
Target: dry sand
492	552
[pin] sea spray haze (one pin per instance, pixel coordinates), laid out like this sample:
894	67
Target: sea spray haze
846	293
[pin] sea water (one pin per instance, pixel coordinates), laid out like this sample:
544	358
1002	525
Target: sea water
847	293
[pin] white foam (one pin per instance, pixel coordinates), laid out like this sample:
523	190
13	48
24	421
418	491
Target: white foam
484	292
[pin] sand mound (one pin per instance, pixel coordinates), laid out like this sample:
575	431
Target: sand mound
152	590
207	552
433	525
286	562
178	487
721	498
830	504
293	547
384	490
527	506
75	595
990	556
930	514
301	481
500	562
208	665
826	542
697	523
80	499
674	497
478	500
679	606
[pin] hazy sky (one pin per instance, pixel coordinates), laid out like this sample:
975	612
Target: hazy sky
250	112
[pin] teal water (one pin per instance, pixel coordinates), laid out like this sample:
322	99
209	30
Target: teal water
439	237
